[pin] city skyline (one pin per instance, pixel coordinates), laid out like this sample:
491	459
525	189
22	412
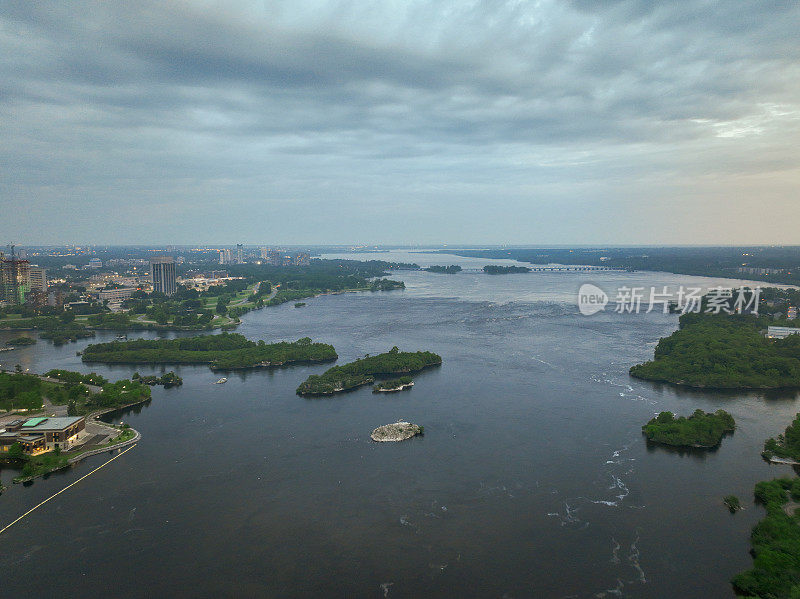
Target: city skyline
314	122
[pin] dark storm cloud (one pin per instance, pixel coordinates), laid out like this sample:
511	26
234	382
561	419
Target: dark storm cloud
109	101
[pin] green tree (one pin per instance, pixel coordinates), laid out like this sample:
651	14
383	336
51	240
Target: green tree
15	451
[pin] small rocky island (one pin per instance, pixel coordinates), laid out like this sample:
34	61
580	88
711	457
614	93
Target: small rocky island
399	431
394	385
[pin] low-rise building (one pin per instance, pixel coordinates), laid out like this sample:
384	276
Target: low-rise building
781	332
116	295
37	435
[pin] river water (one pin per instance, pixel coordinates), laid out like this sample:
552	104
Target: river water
532	478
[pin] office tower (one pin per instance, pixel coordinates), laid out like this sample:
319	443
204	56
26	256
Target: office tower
239	254
37	278
162	273
14	280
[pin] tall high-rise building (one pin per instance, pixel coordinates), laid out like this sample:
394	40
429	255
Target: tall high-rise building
162	273
225	256
37	278
239	254
14	280
264	253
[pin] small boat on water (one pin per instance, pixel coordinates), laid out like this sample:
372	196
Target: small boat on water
221	381
122	337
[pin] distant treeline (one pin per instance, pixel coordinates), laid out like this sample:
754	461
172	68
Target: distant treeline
703	261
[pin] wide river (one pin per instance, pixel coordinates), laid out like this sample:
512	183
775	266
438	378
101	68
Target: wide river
532	479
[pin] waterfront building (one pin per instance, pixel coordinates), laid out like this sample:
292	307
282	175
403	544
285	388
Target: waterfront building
162	274
37	435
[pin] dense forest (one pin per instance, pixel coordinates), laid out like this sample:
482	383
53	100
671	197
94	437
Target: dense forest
363	371
225	351
701	429
725	352
776	544
787	445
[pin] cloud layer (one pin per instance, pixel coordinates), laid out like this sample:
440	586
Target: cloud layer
336	122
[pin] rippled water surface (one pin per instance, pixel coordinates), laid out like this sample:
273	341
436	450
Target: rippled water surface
532	478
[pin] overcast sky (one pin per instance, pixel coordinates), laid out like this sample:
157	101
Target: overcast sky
400	121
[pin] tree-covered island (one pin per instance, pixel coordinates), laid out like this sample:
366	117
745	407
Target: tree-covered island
447	270
363	372
394	385
723	352
226	351
167	380
19	341
700	430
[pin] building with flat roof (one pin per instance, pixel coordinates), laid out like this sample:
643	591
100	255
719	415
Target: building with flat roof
116	295
37	278
162	273
37	435
781	332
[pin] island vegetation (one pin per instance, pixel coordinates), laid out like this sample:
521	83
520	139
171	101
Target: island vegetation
493	269
775	544
785	447
392	385
19	341
299	304
169	379
363	371
732	503
226	351
447	270
701	429
725	352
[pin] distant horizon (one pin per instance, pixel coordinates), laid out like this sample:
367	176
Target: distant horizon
390	246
